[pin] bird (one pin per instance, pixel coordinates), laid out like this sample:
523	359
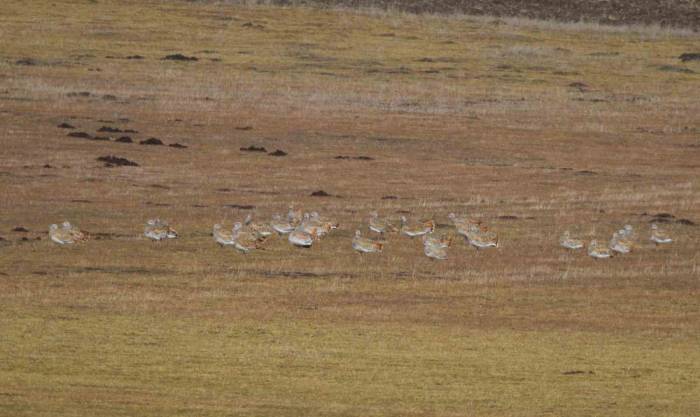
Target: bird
77	235
223	237
158	229
620	243
463	223
366	245
416	229
245	241
444	241
295	216
570	243
380	225
598	251
313	225
437	252
263	229
483	239
300	238
60	236
480	237
659	236
628	231
280	226
309	225
325	224
66	235
471	229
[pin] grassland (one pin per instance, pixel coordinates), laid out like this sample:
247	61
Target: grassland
533	127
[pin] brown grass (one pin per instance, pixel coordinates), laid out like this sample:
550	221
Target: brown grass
459	115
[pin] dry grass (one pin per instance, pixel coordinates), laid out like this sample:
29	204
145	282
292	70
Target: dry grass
459	115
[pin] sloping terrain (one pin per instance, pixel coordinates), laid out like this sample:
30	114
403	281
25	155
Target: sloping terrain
673	13
114	112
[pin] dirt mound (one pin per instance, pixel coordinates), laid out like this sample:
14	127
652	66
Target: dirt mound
357	158
678	13
112	160
180	57
320	193
81	135
152	141
690	56
253	148
240	206
109	129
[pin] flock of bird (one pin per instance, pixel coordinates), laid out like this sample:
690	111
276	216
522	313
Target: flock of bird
303	229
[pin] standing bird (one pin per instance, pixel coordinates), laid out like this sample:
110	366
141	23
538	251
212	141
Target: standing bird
598	251
295	216
223	237
444	241
659	236
76	234
263	229
416	229
280	226
300	238
325	224
482	238
463	224
365	245
380	225
315	226
310	226
158	229
570	243
437	252
66	235
628	231
620	243
245	241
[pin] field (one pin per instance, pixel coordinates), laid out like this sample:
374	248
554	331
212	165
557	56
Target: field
533	127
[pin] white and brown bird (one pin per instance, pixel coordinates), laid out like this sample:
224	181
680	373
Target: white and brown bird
223	237
157	229
598	251
315	226
482	238
280	226
628	231
245	241
325	223
659	236
366	245
77	234
437	252
416	229
67	234
443	241
620	243
379	225
463	224
309	226
294	216
570	243
300	238
263	229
